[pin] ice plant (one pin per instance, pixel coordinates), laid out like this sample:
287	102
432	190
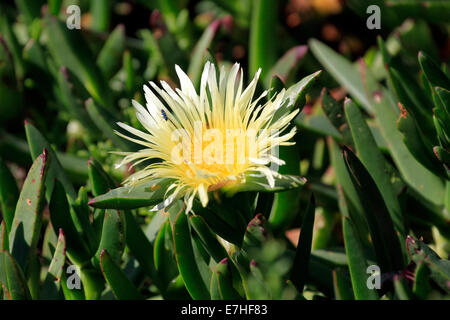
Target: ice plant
207	140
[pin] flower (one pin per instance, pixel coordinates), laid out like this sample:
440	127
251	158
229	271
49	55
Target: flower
191	136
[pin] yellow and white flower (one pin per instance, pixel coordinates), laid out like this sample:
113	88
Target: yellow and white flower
186	130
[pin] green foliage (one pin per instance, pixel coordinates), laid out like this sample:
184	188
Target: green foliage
367	183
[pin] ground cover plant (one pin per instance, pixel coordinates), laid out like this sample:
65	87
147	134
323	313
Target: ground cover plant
343	193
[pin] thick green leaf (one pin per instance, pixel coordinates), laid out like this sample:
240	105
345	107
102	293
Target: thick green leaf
208	238
342	70
101	13
106	123
121	286
444	95
4	245
52	281
131	197
113	236
374	162
422	287
164	256
54	6
295	96
414	141
69	49
335	113
184	253
81	213
342	285
199	51
12	279
72	103
222	277
27	222
257	182
36	144
109	57
417	176
384	238
101	182
299	271
9	194
141	247
357	260
77	249
262	52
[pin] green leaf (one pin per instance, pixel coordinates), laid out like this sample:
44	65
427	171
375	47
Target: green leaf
113	236
60	216
262	52
9	194
414	141
184	253
335	113
345	186
419	252
164	256
295	96
417	176
100	180
357	260
121	286
69	49
4	245
129	72
198	53
110	55
81	214
106	123
67	94
384	238
54	6
406	90
258	183
37	143
208	238
27	222
374	162
131	197
52	281
342	70
443	156
222	277
141	247
342	285
231	229
299	271
101	14
444	95
422	287
12	279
